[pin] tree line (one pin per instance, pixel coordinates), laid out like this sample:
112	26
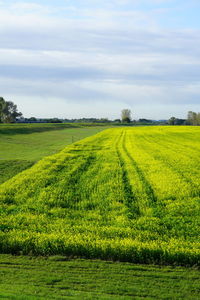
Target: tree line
8	111
10	114
193	118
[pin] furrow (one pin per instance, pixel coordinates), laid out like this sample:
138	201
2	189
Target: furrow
131	200
147	186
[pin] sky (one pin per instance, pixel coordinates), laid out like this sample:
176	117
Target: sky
91	58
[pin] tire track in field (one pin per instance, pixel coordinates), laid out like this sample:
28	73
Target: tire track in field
50	180
78	181
130	199
64	186
74	180
147	188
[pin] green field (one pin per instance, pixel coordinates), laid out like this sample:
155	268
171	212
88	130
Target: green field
22	145
128	194
60	278
125	194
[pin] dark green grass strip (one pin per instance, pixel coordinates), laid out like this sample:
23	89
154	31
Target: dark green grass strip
10	168
59	278
12	129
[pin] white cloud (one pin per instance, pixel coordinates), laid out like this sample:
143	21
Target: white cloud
90	57
28	7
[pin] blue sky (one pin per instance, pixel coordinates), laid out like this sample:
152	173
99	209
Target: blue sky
93	58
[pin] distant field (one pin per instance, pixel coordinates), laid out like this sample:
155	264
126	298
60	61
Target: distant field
129	194
21	145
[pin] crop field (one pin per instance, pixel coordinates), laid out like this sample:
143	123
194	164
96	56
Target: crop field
126	194
22	145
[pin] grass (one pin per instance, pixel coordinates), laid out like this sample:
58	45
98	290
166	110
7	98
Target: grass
24	128
124	194
58	277
22	145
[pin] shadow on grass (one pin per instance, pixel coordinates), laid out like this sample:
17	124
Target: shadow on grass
13	129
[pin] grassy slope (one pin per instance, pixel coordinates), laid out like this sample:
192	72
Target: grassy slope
23	145
59	278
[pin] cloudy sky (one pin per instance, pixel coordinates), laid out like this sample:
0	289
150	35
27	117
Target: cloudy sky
92	58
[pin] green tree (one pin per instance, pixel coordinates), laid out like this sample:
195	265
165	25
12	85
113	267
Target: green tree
2	107
172	121
126	115
8	111
198	119
193	118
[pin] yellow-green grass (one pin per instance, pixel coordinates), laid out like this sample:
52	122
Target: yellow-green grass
128	194
60	278
21	145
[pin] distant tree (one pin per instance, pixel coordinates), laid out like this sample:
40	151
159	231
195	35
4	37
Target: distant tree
2	107
10	112
145	121
172	121
104	120
32	119
117	121
193	118
180	121
54	120
126	115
